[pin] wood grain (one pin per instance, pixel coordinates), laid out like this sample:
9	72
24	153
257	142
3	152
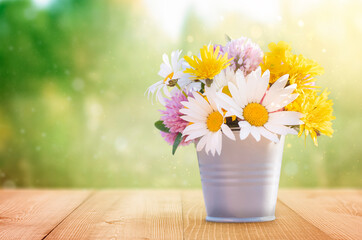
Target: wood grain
336	212
288	224
32	214
171	214
134	214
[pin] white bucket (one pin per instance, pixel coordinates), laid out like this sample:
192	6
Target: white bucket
241	185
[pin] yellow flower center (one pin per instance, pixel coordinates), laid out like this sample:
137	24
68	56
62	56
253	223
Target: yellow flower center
214	121
170	76
226	91
256	114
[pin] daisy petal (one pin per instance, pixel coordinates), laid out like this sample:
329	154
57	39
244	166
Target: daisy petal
226	102
204	105
194	112
227	131
262	86
208	142
201	143
244	124
239	113
280	83
195	107
217	141
166	92
279	129
241	81
281	102
166	61
271	136
244	129
159	96
195	126
255	133
196	134
257	72
192	119
251	85
239	98
285	118
202	101
211	95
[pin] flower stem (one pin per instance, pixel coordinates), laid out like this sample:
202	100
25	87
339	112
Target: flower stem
202	87
178	86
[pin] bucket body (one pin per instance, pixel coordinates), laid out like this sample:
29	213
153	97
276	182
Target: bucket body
241	185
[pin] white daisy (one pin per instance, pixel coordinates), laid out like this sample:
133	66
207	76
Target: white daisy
186	83
261	110
169	71
222	79
206	122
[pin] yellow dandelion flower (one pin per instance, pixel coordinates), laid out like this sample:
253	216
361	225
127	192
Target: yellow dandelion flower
280	61
210	64
317	113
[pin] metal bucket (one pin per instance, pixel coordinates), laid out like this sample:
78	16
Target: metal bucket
241	185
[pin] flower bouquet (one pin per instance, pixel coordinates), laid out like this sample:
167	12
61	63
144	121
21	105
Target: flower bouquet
236	104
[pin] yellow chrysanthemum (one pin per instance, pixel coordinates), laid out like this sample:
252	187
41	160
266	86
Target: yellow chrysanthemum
280	61
317	113
210	64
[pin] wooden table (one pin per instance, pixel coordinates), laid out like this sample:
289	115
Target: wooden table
171	214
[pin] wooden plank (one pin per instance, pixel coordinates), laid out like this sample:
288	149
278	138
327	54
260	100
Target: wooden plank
288	224
336	212
127	214
32	214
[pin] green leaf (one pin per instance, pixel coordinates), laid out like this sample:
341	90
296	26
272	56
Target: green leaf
176	143
160	126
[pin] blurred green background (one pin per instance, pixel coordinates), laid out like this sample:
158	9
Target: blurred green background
73	76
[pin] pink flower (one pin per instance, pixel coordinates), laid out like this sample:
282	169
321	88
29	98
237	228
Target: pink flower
247	54
171	118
